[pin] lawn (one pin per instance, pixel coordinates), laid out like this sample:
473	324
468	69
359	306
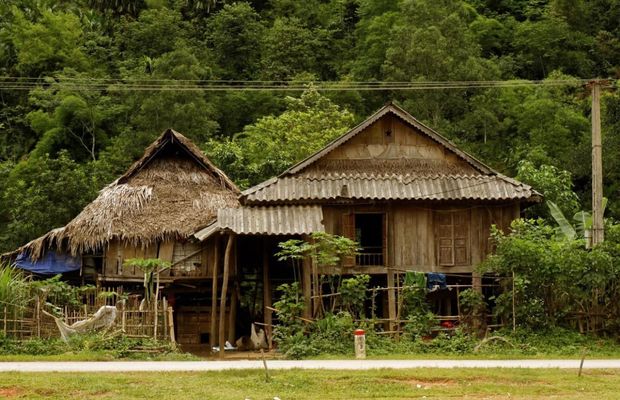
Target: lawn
318	384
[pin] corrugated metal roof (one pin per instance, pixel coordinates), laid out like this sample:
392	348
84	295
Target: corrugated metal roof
278	220
389	187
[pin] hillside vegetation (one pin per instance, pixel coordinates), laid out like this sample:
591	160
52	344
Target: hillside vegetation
69	124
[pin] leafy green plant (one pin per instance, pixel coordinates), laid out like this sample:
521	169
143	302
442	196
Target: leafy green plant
353	293
324	249
473	308
289	308
151	267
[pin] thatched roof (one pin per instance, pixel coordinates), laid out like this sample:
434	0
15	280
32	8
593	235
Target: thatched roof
172	191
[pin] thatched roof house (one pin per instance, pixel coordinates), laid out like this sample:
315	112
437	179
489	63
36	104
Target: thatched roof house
171	192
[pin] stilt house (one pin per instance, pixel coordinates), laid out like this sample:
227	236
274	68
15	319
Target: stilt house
406	194
151	211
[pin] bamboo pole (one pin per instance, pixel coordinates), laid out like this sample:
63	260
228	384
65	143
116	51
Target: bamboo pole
216	257
155	306
164	309
227	262
123	317
171	325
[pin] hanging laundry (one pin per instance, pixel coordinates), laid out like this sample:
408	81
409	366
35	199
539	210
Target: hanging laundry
435	280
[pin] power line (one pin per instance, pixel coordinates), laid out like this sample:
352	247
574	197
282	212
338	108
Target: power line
99	84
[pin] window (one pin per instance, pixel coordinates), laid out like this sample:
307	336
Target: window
368	230
452	237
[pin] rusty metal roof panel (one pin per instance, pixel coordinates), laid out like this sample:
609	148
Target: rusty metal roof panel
276	220
390	187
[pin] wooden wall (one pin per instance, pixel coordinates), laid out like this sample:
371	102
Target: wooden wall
188	259
391	142
412	232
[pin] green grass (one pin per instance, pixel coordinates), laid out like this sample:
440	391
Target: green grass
317	384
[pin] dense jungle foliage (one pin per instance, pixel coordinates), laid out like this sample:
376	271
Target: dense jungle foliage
73	128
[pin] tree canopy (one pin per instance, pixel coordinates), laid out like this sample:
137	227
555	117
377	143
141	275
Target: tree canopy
73	125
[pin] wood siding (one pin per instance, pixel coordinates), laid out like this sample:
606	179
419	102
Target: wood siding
188	259
392	143
414	233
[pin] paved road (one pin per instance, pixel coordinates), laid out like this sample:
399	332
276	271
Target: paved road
125	366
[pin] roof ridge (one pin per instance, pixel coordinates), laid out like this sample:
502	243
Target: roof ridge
405	116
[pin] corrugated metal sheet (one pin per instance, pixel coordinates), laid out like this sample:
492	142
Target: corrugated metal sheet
390	187
278	220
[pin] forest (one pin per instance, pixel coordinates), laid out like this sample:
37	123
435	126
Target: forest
86	85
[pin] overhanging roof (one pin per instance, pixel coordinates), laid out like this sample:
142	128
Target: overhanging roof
390	187
278	220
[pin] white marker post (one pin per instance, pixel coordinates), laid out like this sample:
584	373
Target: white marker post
360	344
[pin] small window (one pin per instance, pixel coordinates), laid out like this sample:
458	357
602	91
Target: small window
452	237
368	230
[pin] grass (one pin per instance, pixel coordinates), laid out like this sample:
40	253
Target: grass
318	384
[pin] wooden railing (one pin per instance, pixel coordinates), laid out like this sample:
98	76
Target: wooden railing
370	256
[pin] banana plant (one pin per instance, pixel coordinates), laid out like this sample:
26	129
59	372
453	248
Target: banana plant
582	221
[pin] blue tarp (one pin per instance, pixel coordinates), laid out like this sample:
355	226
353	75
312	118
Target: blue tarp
50	264
436	280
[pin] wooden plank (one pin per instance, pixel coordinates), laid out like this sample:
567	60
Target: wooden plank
348	231
227	267
213	331
391	298
111	254
166	250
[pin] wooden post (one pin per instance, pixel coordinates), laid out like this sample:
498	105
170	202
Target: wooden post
123	318
391	299
216	257
227	262
164	309
267	295
598	232
307	289
38	316
155	306
514	307
171	325
232	316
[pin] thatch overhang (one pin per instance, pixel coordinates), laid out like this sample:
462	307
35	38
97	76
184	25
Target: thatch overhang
319	179
171	192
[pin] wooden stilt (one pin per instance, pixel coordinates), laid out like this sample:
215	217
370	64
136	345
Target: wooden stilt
171	325
307	289
267	295
391	299
232	316
227	267
214	273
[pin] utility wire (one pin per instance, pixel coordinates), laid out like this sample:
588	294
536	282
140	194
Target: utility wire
99	84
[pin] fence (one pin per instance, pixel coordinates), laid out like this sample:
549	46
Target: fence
29	321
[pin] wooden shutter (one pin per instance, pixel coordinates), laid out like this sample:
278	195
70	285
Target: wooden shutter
461	237
444	239
348	231
452	229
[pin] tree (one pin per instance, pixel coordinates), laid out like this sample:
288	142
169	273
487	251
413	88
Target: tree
42	193
50	44
234	34
556	185
272	144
